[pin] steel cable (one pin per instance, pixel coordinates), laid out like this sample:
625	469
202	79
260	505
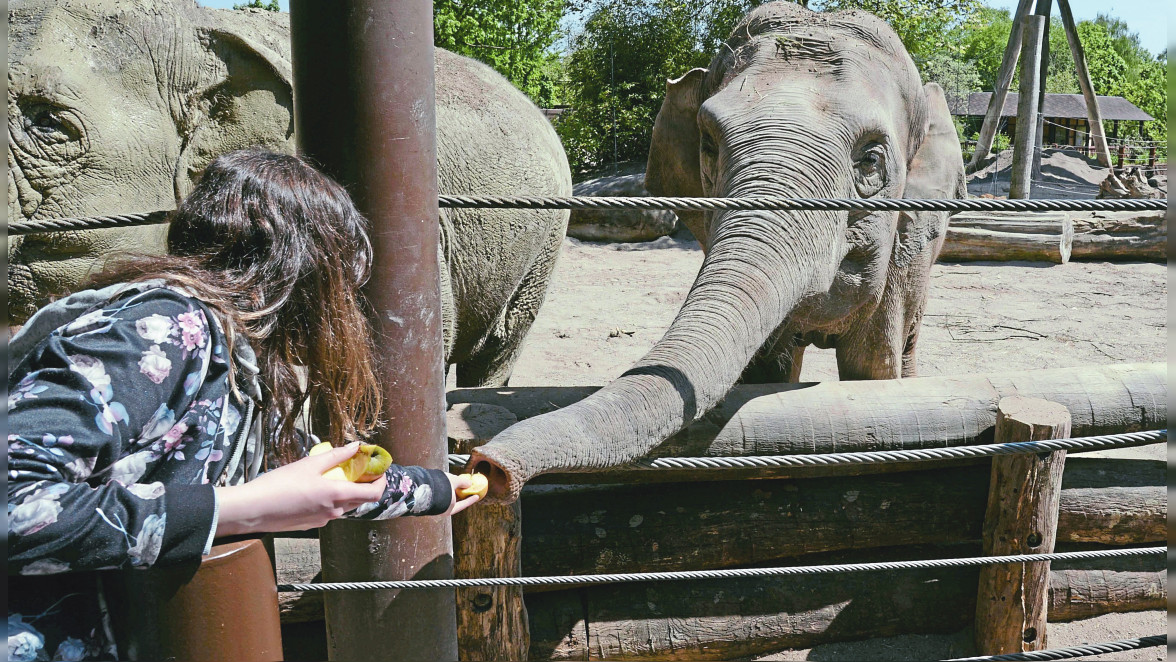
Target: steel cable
699	204
1099	442
726	573
794	204
1067	653
88	223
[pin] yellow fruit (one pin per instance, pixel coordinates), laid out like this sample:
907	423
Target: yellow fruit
367	465
479	485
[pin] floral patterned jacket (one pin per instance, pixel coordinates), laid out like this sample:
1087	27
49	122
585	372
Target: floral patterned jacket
121	422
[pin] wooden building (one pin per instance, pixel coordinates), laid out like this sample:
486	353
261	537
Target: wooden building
1065	116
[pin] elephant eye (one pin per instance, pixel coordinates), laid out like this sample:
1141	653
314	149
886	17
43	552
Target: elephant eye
870	170
50	124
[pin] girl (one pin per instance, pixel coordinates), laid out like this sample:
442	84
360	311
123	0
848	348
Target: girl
144	413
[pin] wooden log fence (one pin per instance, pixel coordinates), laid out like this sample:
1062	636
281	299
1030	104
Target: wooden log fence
684	519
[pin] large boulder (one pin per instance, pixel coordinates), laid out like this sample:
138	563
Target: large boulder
627	225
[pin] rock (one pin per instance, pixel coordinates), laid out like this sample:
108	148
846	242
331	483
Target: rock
1128	183
619	224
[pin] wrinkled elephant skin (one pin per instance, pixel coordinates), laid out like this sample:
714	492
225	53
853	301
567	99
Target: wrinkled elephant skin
794	104
115	106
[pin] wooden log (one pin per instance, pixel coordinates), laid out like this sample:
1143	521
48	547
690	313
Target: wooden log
1004	76
1092	587
1022	518
491	621
646	528
1120	236
922	412
1094	115
733	619
1002	239
1032	30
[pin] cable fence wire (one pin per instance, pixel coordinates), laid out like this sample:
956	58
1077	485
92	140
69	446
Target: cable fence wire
696	204
1068	653
1075	444
725	573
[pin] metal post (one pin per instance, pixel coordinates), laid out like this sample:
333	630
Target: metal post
1044	7
364	108
1031	31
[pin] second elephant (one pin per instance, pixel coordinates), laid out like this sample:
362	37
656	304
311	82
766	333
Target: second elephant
795	104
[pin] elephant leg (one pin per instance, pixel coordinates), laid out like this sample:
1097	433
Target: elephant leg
775	363
491	364
873	348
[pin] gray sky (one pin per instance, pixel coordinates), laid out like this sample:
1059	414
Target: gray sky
1150	18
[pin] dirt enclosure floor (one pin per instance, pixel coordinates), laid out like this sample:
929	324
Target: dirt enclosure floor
610	302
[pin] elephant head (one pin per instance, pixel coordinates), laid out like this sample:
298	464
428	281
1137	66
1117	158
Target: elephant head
795	104
113	107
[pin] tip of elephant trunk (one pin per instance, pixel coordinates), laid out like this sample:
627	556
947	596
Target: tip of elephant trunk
505	479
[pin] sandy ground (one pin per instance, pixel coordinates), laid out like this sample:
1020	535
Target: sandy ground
1064	174
610	302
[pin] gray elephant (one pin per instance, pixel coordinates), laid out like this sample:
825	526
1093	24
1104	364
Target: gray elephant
795	104
115	106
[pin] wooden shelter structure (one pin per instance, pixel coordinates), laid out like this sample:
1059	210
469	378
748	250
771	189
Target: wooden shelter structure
1066	116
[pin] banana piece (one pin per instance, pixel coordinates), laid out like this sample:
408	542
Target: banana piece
479	487
367	465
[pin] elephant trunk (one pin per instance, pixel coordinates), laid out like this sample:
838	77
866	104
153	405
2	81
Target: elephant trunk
758	268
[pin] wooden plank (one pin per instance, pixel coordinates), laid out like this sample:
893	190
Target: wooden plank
1021	518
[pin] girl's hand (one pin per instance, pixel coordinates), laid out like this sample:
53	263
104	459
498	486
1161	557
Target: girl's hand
294	497
456	506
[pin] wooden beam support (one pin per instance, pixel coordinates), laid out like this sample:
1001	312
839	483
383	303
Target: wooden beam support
1097	134
1022	518
1032	31
1004	76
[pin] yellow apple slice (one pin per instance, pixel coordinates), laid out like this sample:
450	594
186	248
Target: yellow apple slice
365	466
479	486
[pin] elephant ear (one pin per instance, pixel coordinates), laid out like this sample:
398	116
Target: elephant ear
936	171
672	169
243	97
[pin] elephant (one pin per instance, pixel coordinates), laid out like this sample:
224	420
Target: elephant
795	104
116	106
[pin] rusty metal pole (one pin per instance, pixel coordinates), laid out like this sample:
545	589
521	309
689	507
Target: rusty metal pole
364	109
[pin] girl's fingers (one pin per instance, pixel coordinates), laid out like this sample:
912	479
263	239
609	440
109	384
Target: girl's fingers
326	461
465	503
360	493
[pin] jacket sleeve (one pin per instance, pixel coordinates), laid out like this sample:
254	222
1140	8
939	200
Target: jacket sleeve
410	491
102	403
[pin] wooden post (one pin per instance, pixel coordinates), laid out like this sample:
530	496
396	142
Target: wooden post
1151	158
1043	9
1004	76
1122	154
1092	112
1032	28
1022	518
487	542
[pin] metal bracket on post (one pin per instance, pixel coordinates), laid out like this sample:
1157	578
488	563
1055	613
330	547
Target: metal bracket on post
365	111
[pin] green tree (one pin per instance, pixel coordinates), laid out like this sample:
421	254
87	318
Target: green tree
1108	71
618	67
515	38
272	5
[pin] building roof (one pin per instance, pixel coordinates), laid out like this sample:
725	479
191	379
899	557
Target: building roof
1071	106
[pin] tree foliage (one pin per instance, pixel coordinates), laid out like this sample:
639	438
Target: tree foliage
618	67
272	5
515	38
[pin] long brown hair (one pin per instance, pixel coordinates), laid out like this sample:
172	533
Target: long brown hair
279	251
